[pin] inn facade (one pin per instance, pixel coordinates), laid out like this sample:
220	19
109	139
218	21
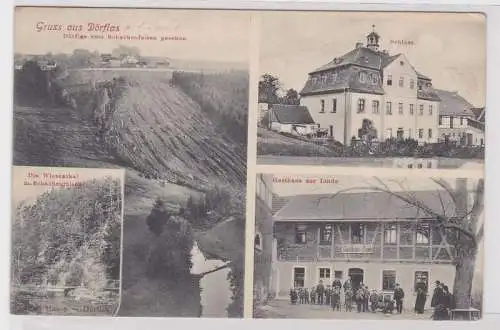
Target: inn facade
369	83
372	237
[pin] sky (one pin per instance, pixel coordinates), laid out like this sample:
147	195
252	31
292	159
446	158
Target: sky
21	192
211	35
450	48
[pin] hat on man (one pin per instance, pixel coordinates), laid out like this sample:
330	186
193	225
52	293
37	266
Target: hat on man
437	282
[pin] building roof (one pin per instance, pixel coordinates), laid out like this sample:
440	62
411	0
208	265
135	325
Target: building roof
454	104
365	206
291	114
342	73
346	77
278	203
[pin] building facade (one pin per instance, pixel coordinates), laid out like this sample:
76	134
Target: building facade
458	121
369	84
384	242
263	240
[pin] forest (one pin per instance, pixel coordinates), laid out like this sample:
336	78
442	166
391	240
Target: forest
68	237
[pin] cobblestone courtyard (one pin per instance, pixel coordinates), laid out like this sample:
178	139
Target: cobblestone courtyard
283	309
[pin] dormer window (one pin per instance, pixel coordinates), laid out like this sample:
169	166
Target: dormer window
374	79
362	77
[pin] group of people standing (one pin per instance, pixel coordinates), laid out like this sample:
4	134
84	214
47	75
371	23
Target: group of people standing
442	301
364	299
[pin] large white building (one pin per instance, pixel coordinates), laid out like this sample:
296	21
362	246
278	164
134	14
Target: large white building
367	83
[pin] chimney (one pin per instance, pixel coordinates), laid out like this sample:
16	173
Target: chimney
359	45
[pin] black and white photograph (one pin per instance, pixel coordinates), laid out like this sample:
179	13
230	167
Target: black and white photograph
162	94
373	89
66	241
362	247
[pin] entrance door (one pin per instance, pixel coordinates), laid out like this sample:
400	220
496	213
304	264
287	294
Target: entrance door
331	130
356	275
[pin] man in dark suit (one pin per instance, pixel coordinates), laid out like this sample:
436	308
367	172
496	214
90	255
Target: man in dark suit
399	294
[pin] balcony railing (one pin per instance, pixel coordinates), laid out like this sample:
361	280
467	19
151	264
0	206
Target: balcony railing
356	248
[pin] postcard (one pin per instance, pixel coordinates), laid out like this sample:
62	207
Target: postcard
66	241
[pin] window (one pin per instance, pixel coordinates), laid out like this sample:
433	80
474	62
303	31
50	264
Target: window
326	234
388	280
421	280
401	82
390	234
400	108
389	80
420	133
421	112
361	105
412	84
451	122
388	109
339	274
419	86
300	234
411	109
430	133
423	234
324	274
258	241
430	109
400	133
375	106
299	276
440	120
334	105
357	233
374	79
461	121
322	102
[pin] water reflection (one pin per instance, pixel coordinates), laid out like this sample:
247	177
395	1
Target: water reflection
215	289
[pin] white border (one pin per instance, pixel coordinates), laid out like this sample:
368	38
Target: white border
492	243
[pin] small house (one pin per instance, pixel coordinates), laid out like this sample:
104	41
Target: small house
293	119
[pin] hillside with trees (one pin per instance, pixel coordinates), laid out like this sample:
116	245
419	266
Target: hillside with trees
68	237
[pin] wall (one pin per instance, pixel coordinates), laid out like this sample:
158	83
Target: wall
337	120
427	121
355	121
405	274
264	228
403	248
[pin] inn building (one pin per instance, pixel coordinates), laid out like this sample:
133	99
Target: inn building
372	237
369	83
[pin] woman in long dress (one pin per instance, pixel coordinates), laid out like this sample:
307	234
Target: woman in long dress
420	301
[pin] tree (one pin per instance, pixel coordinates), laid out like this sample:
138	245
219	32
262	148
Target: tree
268	88
367	132
462	229
291	97
158	217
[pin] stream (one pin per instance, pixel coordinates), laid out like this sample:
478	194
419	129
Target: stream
215	288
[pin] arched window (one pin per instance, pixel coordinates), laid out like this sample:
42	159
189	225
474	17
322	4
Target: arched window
258	241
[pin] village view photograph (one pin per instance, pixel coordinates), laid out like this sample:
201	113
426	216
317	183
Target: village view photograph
66	241
378	89
162	94
391	248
